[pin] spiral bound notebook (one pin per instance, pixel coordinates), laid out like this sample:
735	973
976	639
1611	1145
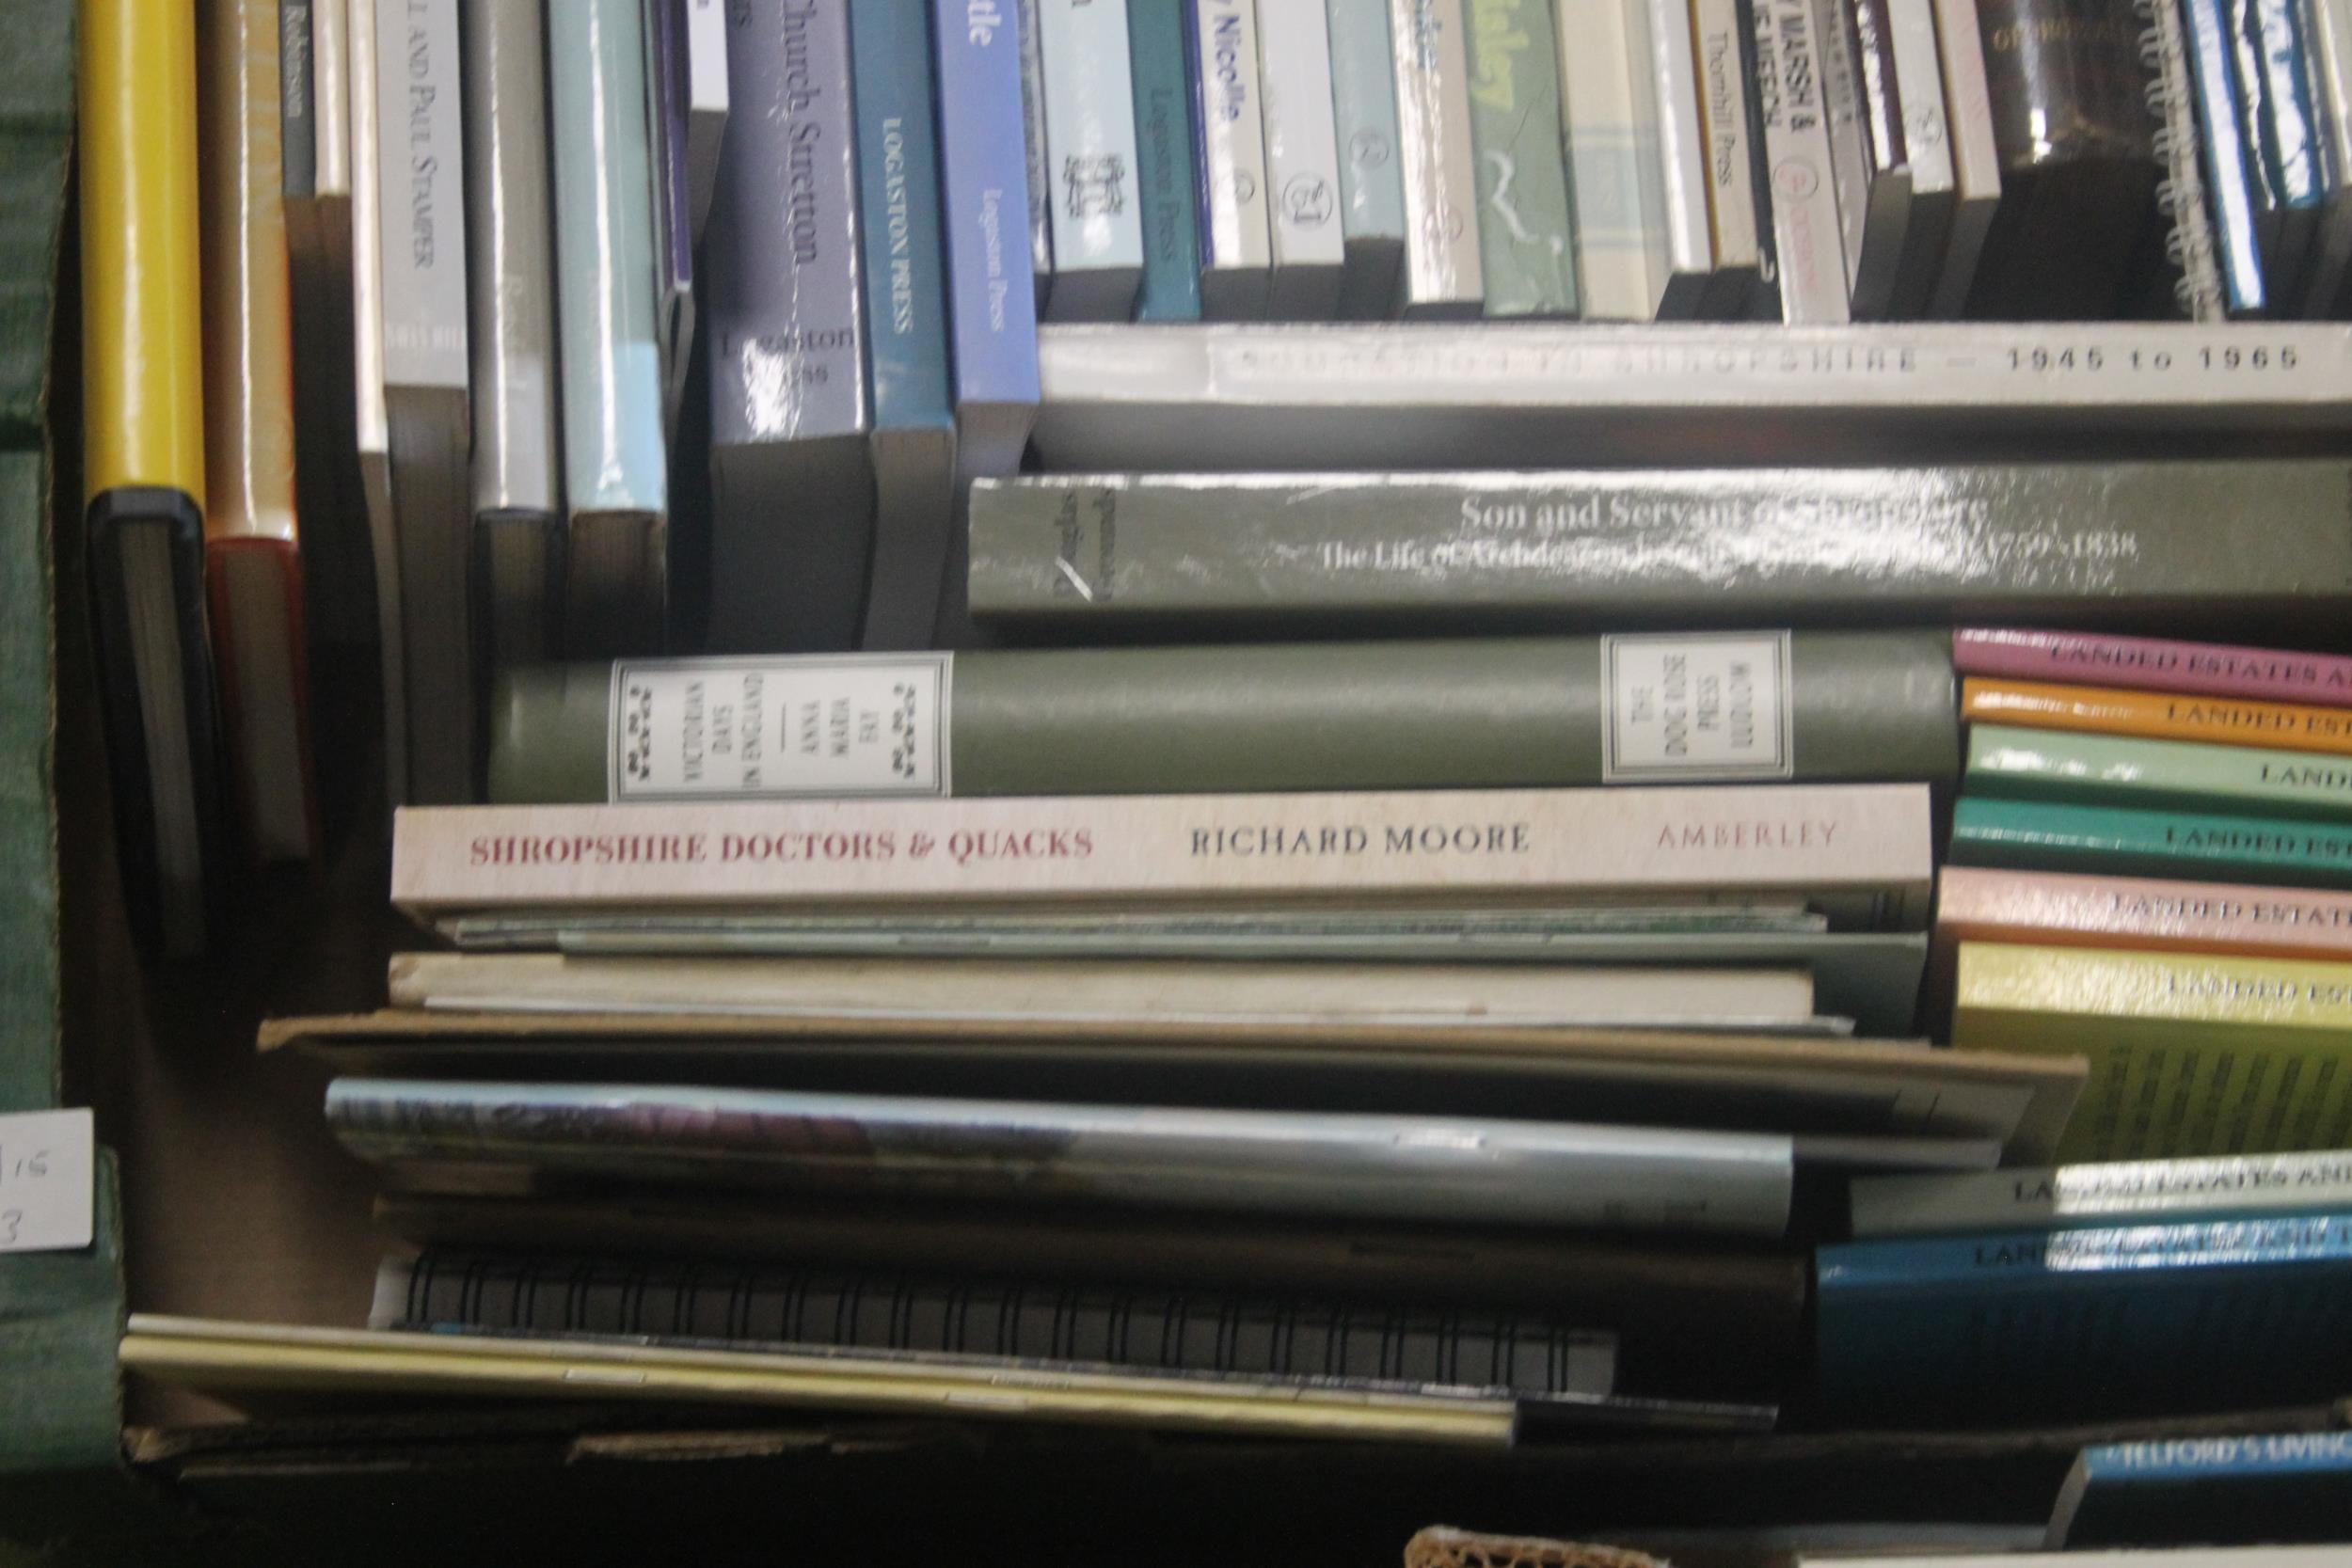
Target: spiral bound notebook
2189	241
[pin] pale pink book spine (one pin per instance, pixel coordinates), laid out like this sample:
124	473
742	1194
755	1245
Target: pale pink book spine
1456	846
2154	664
2054	909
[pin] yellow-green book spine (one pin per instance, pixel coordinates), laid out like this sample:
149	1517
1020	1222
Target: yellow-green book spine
2190	1053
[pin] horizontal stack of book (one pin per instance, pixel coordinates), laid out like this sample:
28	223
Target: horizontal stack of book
1331	1059
2138	875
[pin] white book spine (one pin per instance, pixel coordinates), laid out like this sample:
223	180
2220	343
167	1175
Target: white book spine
1237	237
1725	99
1364	100
2139	1191
1811	840
1927	140
1302	160
705	100
330	97
1975	155
1091	158
1443	273
420	172
1614	181
1662	27
1806	243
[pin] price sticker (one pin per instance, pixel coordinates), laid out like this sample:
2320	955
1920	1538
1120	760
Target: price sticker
48	1186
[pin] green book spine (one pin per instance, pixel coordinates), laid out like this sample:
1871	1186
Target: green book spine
1660	709
2068	544
1526	245
2034	835
2156	775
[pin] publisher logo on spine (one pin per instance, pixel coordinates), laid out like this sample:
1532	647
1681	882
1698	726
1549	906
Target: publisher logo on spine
1678	708
833	726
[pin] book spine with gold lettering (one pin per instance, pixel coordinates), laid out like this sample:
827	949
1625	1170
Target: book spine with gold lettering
2059	909
1860	853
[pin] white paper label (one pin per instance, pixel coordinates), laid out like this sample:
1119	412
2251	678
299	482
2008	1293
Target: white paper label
48	1182
844	725
1683	707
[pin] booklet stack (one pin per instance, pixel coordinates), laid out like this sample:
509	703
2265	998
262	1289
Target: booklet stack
2142	858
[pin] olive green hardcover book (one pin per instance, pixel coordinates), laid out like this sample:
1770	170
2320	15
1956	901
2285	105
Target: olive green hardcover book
1803	707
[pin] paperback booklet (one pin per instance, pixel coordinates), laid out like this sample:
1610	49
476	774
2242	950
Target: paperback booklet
2156	775
1633	708
2218	1490
1460	1169
2154	663
2057	909
2072	1325
2190	1053
2128	1191
1858	853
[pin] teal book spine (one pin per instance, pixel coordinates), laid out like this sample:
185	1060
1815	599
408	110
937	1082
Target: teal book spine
613	454
2088	1324
2156	775
897	141
2036	835
1165	187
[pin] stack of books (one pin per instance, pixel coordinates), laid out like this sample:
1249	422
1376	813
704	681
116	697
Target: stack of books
1264	1019
2140	859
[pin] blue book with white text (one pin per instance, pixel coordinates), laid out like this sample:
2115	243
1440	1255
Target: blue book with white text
2216	1490
1165	186
2088	1324
984	205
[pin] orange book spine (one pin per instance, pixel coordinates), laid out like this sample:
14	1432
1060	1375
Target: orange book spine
2162	715
2057	910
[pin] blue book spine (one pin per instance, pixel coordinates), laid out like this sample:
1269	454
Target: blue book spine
984	191
2227	161
2081	1325
1165	179
2223	1491
906	295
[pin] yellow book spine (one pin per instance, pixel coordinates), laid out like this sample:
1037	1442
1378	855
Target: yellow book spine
248	327
142	352
2164	716
2190	1053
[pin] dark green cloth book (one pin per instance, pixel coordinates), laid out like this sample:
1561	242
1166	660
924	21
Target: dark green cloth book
1809	707
1278	553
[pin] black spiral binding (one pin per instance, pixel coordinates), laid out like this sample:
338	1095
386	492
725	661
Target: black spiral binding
2188	242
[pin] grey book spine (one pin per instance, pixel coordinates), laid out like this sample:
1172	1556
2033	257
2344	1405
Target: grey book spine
297	121
1520	550
1034	146
516	497
510	232
1926	141
1976	154
792	470
1132	1328
1867	168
